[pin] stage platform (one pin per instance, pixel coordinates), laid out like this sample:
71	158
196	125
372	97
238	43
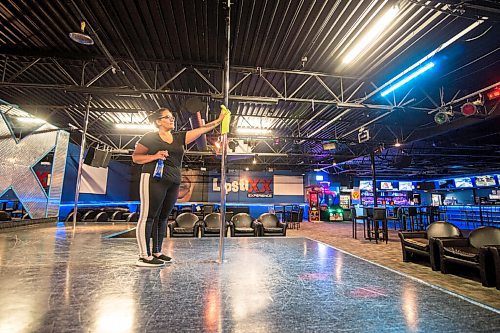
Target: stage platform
56	280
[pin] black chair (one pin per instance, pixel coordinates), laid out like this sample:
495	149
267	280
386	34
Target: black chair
186	224
242	224
270	225
471	252
210	226
423	242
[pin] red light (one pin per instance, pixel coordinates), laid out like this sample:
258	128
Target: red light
495	93
468	109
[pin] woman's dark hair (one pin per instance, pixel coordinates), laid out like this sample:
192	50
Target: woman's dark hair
154	116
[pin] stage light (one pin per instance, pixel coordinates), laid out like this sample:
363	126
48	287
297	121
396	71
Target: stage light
246	169
252	131
408	78
441	117
372	34
397	144
319	177
468	109
494	94
136	127
254	161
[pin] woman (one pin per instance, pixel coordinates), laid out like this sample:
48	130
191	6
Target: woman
158	196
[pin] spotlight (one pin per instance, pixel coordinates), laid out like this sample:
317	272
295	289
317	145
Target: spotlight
246	169
494	94
468	109
254	161
397	144
441	117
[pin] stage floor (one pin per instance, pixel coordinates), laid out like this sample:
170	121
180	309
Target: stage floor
54	280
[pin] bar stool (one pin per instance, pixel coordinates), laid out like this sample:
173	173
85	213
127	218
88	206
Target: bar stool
355	218
412	217
367	215
396	217
379	215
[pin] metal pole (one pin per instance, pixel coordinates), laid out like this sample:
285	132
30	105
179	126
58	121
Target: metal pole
224	139
80	159
374	178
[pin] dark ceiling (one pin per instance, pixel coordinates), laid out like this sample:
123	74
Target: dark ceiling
286	75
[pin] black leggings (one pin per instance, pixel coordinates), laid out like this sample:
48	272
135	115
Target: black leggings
158	198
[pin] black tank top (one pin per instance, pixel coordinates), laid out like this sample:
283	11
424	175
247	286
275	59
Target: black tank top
173	163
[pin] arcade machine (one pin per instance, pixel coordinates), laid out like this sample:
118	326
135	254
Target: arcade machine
330	209
345	204
312	199
323	203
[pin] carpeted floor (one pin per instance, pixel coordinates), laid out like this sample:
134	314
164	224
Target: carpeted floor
339	235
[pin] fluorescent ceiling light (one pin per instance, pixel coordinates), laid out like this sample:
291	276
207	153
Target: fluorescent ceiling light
427	57
136	127
253	131
372	34
408	78
30	120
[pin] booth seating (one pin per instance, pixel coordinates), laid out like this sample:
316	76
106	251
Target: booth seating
270	225
4	216
186	224
242	224
210	226
423	242
495	252
471	252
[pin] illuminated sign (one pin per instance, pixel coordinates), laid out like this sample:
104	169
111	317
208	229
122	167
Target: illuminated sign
255	187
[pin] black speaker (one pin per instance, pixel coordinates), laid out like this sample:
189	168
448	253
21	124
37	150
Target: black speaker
106	160
97	158
402	161
89	157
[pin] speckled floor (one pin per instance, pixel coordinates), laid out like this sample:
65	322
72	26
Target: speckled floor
339	235
54	280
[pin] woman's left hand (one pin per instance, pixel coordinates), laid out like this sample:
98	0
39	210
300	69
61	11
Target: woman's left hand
222	114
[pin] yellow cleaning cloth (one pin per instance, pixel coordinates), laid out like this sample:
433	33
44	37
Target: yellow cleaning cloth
226	120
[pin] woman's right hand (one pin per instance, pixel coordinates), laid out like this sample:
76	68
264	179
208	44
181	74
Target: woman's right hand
161	155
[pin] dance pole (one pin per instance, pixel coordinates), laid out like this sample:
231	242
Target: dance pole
80	160
224	141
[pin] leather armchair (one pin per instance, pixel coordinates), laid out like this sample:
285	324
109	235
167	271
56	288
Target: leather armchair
242	224
210	226
471	252
423	242
185	224
495	252
270	225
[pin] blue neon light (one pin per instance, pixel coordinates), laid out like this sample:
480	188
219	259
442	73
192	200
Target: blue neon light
408	78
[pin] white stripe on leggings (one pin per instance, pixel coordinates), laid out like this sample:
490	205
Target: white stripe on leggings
140	231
